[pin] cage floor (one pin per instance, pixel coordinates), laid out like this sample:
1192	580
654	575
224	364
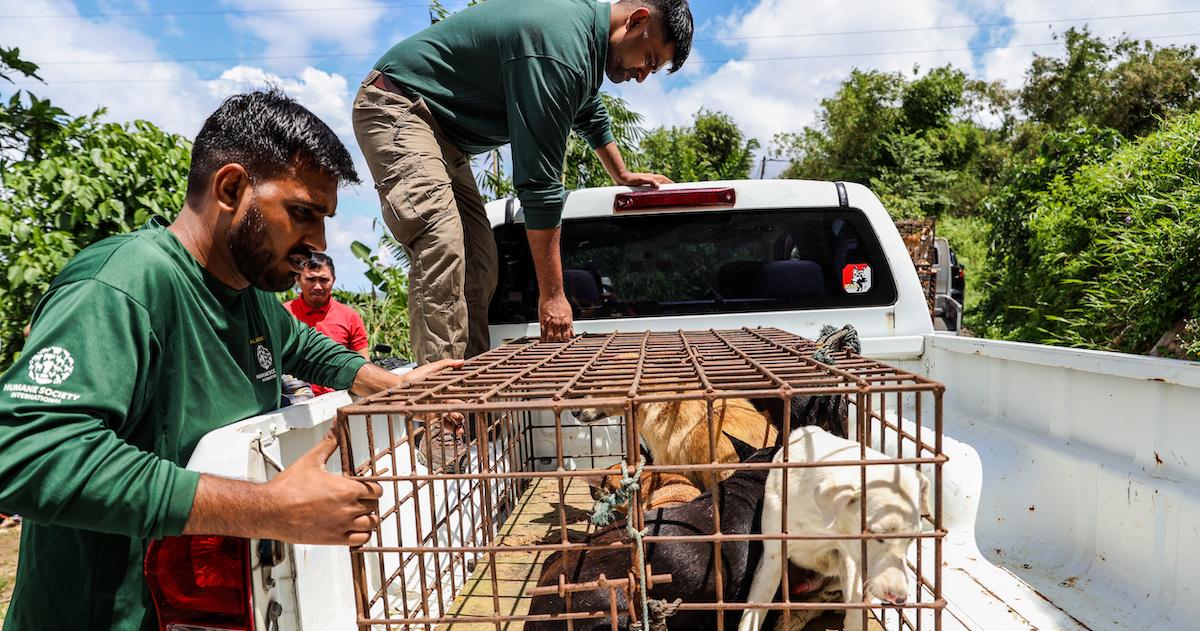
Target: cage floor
535	520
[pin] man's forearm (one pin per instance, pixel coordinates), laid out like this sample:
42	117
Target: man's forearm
232	508
304	503
547	260
614	164
371	379
610	157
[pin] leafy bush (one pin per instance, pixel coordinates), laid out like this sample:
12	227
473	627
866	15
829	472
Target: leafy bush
92	180
1106	256
384	310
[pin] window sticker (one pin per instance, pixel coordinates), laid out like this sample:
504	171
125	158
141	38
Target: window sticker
856	278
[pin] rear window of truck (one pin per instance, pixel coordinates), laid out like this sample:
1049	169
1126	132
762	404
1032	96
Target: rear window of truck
701	263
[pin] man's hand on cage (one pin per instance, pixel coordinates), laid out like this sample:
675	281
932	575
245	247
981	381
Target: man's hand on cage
303	504
555	317
315	506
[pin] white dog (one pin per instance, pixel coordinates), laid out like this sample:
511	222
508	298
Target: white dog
827	500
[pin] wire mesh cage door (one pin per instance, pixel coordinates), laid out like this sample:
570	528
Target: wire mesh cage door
615	481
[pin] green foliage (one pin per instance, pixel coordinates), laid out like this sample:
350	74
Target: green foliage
1189	340
914	142
1125	85
385	309
68	183
27	123
93	180
1111	248
713	148
582	169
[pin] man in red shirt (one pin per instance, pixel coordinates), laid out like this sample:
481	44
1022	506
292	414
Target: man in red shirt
317	308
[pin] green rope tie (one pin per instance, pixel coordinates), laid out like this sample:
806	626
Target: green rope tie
603	514
833	340
605	510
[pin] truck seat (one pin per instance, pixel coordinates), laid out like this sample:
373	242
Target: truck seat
787	280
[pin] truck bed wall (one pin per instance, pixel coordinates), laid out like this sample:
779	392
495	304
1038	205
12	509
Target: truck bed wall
1086	489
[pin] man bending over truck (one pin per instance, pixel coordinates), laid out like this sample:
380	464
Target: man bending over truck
149	340
524	72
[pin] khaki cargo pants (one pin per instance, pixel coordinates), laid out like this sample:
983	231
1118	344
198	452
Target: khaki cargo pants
431	205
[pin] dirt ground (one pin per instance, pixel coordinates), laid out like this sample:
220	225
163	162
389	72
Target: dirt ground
10	541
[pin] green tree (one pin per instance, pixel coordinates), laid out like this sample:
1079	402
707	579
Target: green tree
1124	84
27	123
582	169
914	142
86	181
384	310
713	148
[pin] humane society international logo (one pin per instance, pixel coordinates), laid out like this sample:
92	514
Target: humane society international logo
264	357
48	367
51	366
265	360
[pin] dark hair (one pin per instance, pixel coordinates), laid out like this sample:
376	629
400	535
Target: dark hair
676	19
269	134
318	260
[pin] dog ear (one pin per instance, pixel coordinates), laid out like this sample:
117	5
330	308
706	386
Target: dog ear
744	450
926	504
832	499
646	455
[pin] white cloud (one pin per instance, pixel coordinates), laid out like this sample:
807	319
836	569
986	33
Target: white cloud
1009	64
348	226
291	32
768	97
768	90
326	95
73	51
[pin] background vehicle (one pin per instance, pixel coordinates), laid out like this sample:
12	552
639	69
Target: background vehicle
1071	494
950	282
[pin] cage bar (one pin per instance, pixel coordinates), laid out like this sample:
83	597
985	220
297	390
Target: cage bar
467	549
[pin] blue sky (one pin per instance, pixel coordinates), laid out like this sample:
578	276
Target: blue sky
767	63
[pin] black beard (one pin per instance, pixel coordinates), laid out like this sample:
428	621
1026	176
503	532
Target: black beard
612	65
252	256
615	72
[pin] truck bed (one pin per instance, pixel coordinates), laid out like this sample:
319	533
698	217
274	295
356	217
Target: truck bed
1072	493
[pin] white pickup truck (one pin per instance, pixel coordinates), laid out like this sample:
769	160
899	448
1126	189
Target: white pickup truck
1072	494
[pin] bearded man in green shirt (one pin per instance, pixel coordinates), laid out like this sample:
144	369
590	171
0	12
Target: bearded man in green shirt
524	72
149	340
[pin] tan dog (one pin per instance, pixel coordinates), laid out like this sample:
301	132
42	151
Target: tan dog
677	432
659	490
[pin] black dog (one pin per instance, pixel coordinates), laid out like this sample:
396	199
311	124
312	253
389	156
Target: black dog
691	565
830	412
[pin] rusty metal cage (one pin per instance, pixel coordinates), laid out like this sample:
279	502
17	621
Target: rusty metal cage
470	547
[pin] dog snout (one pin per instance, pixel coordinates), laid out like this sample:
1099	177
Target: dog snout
890	586
589	415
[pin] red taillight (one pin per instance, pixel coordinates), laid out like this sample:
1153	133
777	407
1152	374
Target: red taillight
962	273
640	200
200	581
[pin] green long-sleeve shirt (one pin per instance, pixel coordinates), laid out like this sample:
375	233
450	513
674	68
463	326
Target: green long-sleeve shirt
519	71
136	352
